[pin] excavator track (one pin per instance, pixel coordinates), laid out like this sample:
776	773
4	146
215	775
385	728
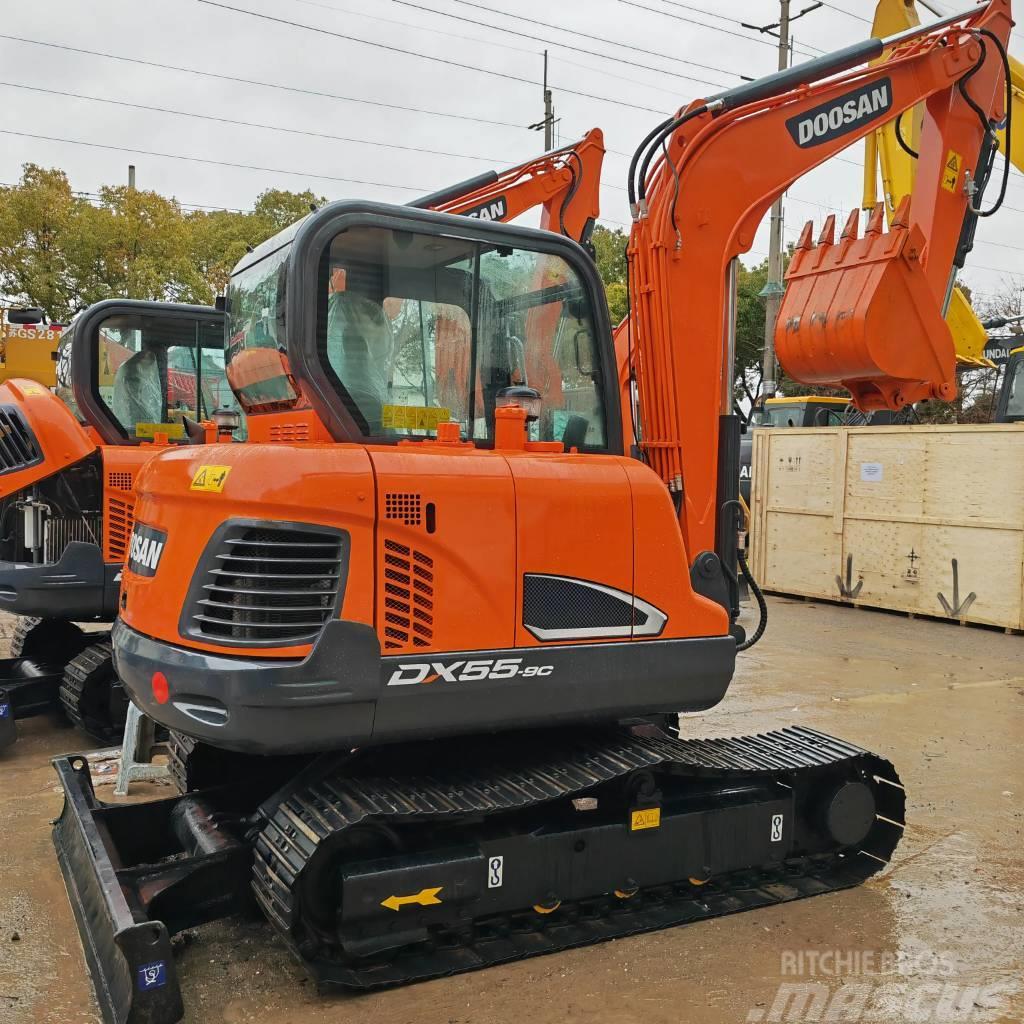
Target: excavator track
484	795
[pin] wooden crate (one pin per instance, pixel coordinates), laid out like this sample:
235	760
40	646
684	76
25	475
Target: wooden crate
919	519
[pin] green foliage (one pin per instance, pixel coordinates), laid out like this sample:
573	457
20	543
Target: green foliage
62	252
610	256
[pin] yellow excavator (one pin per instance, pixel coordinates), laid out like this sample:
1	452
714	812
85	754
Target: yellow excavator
890	155
28	347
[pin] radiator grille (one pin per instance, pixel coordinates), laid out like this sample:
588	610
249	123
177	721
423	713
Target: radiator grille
269	585
403	507
408	597
18	445
60	531
120	522
289	432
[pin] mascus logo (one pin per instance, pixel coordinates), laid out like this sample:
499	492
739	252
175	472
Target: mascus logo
145	550
842	115
416	672
496	209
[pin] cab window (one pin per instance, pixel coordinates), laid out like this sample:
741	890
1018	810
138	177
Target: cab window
416	329
161	374
1015	386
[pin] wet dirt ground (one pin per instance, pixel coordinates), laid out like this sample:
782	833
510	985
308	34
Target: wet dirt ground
938	936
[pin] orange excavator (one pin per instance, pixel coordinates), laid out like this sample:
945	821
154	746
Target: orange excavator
424	668
133	377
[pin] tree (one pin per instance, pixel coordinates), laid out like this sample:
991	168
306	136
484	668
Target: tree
610	257
62	252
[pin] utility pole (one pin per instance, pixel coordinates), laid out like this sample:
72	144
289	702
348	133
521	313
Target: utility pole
549	110
548	124
773	290
131	177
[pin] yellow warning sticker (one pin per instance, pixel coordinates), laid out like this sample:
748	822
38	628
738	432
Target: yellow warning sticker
33	389
175	431
649	817
210	478
414	417
951	172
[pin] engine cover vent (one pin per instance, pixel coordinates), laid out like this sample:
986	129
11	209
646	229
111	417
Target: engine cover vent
404	507
120	523
566	608
267	584
408	597
18	445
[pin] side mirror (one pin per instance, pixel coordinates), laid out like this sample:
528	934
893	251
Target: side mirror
26	316
584	358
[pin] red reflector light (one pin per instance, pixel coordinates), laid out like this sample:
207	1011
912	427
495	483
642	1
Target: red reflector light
161	688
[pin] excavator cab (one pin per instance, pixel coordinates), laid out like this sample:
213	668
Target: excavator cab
132	378
1010	404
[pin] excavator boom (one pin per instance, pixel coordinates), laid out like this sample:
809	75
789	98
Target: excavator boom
833	328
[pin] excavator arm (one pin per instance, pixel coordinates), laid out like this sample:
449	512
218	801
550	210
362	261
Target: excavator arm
865	315
565	183
892	160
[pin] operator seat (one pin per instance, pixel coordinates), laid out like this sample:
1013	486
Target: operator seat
138	391
360	349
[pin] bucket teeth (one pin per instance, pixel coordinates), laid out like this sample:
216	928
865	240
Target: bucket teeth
852	226
876	220
828	231
806	235
901	218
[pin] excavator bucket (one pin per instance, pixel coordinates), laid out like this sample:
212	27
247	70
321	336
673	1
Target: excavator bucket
860	313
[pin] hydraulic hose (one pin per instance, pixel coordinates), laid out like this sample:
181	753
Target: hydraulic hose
762	605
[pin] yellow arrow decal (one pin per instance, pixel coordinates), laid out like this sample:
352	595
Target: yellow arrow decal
423	898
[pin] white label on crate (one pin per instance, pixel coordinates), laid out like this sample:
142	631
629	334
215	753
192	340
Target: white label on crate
495	868
776	828
872	472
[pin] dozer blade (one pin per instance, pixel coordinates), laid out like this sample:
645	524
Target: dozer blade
130	962
861	313
128	868
27	688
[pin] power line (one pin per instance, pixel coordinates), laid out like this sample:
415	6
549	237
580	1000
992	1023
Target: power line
422	56
265	85
849	14
255	124
505	46
216	163
575	32
704	24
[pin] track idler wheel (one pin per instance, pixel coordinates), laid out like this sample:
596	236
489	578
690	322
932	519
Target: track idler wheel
849	813
92	696
54	641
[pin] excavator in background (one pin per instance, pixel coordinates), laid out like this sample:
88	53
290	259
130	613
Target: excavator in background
133	377
28	347
437	650
891	154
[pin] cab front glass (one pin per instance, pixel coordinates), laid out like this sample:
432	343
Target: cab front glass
160	375
414	329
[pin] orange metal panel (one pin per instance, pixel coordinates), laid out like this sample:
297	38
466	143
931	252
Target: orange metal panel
451	588
574	517
661	561
331	485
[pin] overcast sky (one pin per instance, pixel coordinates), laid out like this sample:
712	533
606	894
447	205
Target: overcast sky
624	99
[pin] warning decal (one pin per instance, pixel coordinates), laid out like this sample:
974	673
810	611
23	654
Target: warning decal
951	172
210	478
414	417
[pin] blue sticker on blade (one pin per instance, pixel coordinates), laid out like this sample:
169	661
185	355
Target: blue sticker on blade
152	976
5	710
